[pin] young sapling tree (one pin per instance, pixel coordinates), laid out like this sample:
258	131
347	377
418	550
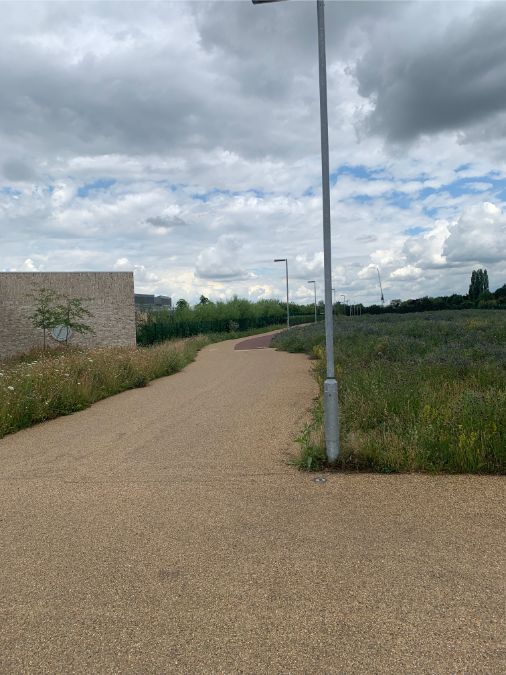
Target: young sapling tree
72	313
46	314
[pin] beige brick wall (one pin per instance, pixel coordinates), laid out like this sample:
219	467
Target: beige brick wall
109	296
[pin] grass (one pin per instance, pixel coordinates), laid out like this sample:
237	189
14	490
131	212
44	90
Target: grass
422	392
40	386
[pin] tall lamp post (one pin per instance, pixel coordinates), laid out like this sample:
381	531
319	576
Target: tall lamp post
314	284
285	260
331	414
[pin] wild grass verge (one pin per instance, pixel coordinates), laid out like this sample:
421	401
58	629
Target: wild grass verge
416	393
41	386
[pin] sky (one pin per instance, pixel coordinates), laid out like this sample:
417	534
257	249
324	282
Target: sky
181	140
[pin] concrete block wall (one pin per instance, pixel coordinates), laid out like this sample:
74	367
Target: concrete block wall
109	296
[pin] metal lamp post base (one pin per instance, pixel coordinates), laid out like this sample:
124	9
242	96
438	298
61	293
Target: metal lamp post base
330	410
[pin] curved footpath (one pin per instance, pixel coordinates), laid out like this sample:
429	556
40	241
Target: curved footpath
162	531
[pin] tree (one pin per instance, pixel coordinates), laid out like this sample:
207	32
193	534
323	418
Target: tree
203	300
500	292
473	285
479	284
46	315
182	304
71	313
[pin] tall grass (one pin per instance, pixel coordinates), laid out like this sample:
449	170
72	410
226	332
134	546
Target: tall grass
40	385
44	385
417	393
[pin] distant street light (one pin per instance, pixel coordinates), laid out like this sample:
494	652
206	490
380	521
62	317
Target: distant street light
314	283
381	288
330	398
285	260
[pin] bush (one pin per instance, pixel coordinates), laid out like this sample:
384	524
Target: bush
220	317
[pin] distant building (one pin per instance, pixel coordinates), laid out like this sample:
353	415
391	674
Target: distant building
145	302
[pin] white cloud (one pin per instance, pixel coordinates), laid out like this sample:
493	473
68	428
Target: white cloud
123	264
408	272
427	248
368	272
29	266
477	236
221	261
306	265
181	140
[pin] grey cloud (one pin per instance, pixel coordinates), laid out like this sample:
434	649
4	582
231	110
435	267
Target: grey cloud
222	275
366	238
93	107
166	221
240	77
149	98
283	36
447	79
18	171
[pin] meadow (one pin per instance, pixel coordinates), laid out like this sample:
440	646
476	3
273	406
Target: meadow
423	392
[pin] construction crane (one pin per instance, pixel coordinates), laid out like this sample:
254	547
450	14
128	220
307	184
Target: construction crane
381	288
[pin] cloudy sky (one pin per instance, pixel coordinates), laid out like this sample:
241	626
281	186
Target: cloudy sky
181	140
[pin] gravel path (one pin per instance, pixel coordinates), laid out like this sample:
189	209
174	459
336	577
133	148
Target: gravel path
162	531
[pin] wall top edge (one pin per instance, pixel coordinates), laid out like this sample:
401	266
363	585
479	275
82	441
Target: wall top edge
80	272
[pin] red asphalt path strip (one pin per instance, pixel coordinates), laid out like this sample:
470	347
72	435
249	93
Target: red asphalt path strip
258	342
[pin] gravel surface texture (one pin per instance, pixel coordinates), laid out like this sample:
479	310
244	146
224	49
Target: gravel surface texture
162	530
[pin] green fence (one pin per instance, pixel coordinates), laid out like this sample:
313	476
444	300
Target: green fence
154	331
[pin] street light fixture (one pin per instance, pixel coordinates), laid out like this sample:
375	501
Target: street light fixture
331	414
285	260
314	283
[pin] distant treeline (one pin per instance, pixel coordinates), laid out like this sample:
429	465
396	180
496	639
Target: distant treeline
478	297
241	315
217	317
